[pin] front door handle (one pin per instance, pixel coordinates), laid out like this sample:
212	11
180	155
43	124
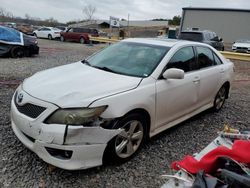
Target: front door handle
196	79
222	70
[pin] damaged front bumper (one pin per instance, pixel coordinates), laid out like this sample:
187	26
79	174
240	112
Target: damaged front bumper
65	146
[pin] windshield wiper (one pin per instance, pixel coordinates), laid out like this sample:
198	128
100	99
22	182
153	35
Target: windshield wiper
86	62
105	69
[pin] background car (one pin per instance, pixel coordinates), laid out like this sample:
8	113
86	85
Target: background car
15	44
47	32
242	45
78	34
25	28
111	102
62	28
205	36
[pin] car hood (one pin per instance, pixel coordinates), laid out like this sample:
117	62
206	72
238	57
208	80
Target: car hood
241	44
77	85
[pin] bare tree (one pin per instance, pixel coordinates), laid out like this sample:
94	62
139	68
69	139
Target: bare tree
2	12
89	11
27	16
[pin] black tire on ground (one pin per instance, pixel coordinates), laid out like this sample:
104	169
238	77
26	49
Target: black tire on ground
125	145
62	39
50	37
82	40
17	51
220	98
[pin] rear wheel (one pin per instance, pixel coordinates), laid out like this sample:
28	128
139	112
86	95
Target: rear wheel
62	39
82	40
50	37
17	51
126	144
220	98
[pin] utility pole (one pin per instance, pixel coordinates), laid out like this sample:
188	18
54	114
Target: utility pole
128	27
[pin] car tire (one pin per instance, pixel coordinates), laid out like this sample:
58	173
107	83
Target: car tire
82	40
220	98
50	37
62	39
126	144
17	52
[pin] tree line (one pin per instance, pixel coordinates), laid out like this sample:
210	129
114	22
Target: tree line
7	16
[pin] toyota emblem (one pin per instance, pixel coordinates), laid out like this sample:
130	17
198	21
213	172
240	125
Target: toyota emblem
20	98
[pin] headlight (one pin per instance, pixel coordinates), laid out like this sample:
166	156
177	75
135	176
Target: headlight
77	116
234	47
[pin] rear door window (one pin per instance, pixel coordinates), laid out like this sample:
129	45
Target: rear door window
205	57
183	59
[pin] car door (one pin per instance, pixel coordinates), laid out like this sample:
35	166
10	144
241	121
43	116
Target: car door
46	32
211	71
39	32
68	34
176	98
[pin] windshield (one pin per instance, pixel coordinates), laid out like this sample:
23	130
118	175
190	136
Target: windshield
128	58
191	36
243	40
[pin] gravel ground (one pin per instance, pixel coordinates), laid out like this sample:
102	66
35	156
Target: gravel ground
20	167
52	53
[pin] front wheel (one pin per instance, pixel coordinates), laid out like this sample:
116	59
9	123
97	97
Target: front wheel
220	98
126	144
17	51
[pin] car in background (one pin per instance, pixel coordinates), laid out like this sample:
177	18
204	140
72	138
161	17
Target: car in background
25	28
10	25
242	45
106	106
16	44
205	36
62	28
47	32
78	34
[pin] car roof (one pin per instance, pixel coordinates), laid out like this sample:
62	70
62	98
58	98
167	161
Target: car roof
197	31
161	41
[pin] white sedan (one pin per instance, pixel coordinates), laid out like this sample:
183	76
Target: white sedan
47	32
242	45
74	115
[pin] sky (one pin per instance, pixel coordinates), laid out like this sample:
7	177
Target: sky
68	10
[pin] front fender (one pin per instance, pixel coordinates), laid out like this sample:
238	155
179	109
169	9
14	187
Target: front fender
142	97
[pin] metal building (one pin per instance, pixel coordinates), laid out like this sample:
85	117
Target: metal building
230	24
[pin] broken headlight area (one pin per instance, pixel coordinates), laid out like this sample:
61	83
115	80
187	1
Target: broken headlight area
76	116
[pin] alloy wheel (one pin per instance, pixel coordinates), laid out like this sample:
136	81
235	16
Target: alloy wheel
220	98
129	140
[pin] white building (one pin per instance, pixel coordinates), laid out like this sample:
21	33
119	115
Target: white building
230	24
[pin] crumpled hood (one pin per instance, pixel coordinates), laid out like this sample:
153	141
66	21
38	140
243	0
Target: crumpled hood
239	44
77	85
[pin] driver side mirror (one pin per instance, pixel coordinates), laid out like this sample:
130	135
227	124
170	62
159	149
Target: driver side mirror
173	73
